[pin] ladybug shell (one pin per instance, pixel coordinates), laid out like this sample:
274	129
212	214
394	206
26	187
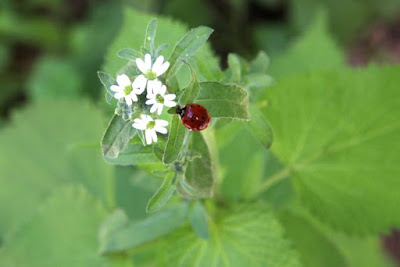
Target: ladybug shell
195	117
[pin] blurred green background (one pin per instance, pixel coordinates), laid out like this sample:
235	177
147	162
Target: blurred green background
51	49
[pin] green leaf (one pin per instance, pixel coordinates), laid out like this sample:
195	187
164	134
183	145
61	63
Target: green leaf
315	50
337	135
66	224
191	92
200	171
187	188
224	100
235	68
117	136
260	128
175	140
198	219
260	63
187	46
245	235
129	54
168	31
134	154
57	143
107	80
150	36
163	194
137	233
308	239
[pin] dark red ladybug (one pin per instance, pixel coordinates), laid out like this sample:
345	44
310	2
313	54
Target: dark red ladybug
195	117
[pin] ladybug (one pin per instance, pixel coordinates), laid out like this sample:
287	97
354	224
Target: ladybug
195	117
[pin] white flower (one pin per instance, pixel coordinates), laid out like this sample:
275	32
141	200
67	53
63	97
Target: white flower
126	89
159	99
150	127
151	72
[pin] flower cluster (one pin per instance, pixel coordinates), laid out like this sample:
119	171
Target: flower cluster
155	94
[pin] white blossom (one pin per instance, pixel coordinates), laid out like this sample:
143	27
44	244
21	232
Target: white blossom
150	71
150	127
125	89
159	99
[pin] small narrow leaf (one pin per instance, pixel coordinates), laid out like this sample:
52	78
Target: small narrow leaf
224	100
189	95
161	48
107	80
260	127
163	194
187	46
134	154
116	137
190	190
198	219
175	140
129	54
260	64
150	35
234	67
134	234
200	171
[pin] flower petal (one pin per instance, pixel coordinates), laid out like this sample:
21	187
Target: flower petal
148	134
157	64
116	88
141	65
162	69
128	100
154	108
151	101
119	95
170	97
163	89
159	109
133	96
147	61
162	123
169	103
161	129
139	84
150	87
139	125
153	135
123	80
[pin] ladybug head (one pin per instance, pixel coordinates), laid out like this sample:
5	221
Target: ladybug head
180	111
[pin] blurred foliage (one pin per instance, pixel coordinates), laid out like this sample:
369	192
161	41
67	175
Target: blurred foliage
56	190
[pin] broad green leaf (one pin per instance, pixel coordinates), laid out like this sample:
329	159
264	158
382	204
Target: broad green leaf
315	50
54	79
260	128
56	143
137	233
150	36
337	135
224	100
245	235
198	219
65	225
187	46
117	136
107	80
191	92
163	194
129	54
168	31
134	154
175	140
200	171
235	68
308	240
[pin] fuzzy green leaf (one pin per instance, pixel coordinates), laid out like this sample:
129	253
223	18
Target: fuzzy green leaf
134	234
191	92
260	63
337	135
224	100
175	140
129	54
67	226
260	128
134	154
107	80
187	46
200	171
150	36
198	219
117	136
55	147
235	68
163	194
246	235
